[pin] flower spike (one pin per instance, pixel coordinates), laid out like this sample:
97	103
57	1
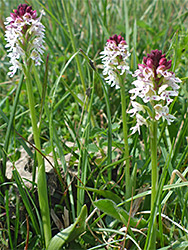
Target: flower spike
115	57
25	37
156	85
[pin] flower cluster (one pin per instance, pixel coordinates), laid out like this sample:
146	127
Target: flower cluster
114	57
25	37
154	84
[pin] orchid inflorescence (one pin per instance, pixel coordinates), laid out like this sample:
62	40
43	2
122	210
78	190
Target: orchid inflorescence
25	37
155	84
115	60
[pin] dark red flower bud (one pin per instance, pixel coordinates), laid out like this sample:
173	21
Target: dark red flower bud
145	59
29	9
149	63
156	59
117	39
163	61
22	10
166	63
169	64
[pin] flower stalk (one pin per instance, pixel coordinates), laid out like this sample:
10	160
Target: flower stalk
115	60
154	174
41	181
126	145
25	37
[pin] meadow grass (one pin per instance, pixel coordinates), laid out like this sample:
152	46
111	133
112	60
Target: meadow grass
80	125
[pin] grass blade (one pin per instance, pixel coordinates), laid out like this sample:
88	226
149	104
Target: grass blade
7	136
8	218
26	201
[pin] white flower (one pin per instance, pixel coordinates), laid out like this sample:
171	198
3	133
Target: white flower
110	79
155	85
163	111
25	37
166	96
136	108
114	57
145	90
140	120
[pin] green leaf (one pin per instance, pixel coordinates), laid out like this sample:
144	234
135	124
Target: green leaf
97	131
110	208
93	148
115	127
69	233
24	195
105	193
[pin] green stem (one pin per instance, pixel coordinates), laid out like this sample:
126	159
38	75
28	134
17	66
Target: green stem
126	148
154	177
41	182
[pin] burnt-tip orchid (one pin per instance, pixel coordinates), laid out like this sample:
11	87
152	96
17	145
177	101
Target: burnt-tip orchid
115	60
155	84
25	37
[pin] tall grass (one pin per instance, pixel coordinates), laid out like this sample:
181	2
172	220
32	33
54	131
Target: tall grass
81	129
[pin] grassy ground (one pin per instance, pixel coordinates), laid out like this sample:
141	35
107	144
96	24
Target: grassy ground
81	126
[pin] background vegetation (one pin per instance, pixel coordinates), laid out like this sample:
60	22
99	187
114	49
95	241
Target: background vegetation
81	125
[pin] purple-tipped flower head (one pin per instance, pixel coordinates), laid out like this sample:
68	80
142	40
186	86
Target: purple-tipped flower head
22	10
116	39
156	60
25	37
115	60
155	84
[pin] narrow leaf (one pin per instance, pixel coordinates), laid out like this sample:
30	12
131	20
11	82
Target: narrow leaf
70	233
105	193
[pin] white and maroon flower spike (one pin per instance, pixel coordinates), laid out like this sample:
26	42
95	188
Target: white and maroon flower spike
115	57
25	37
155	84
